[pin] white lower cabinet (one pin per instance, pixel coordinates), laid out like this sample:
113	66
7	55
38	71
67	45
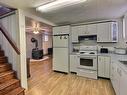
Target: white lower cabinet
116	78
104	66
74	60
119	79
123	82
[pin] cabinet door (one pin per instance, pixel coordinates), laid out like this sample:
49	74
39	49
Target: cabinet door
107	67
116	79
73	63
74	34
61	30
101	66
104	32
104	66
92	29
84	30
123	82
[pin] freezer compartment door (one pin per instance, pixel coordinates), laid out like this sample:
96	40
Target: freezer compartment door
61	59
60	41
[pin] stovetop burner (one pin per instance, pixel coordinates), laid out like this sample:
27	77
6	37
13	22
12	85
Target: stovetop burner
88	52
91	53
82	52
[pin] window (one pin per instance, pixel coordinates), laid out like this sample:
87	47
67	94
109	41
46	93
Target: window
46	38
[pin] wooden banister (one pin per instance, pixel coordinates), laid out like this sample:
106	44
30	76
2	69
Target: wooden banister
9	38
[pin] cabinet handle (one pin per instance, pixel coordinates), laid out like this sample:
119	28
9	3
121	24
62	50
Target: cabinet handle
120	73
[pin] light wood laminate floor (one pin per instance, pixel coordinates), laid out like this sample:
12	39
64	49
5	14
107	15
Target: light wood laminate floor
44	81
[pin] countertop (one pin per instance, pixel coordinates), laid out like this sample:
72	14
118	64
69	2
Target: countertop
123	66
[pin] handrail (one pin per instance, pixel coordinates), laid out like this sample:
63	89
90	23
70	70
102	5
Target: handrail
9	38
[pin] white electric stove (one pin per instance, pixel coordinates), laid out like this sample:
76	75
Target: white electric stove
87	66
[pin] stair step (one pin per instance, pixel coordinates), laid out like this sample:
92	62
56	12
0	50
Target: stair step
3	59
5	67
8	86
17	91
5	76
1	53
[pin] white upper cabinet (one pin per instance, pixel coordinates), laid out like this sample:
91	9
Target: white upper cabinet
83	30
74	33
91	29
107	32
61	30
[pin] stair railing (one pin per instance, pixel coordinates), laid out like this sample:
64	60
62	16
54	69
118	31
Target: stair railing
9	38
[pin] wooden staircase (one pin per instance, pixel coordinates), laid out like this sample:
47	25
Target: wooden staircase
9	84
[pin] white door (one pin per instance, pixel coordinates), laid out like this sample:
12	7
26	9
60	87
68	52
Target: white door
60	59
60	41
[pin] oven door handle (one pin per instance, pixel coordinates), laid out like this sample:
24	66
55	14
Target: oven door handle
84	57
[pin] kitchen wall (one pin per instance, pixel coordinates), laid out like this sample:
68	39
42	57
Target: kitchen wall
47	44
30	45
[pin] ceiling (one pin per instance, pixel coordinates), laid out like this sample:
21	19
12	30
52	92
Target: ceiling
91	10
4	10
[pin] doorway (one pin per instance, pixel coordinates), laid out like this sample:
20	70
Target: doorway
38	46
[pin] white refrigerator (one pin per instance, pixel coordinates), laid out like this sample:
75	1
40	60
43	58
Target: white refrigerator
61	53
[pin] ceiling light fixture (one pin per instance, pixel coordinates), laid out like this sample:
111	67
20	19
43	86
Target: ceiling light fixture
58	4
36	32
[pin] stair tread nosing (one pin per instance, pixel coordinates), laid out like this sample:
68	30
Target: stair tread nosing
5	64
2	65
16	91
8	83
6	73
2	57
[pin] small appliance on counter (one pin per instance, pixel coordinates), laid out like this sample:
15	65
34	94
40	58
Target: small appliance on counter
104	50
121	51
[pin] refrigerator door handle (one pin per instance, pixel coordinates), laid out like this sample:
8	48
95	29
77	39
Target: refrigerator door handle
65	37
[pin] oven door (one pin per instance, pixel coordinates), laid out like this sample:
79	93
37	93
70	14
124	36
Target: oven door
88	62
